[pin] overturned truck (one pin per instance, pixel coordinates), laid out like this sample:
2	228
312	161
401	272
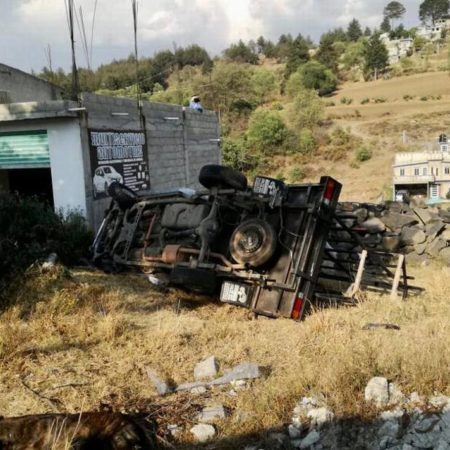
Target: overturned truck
262	247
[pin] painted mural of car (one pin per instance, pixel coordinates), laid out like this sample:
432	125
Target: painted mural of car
103	177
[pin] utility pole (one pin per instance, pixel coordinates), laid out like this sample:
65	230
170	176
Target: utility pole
75	81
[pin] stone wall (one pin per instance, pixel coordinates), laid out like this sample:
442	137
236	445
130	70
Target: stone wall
420	232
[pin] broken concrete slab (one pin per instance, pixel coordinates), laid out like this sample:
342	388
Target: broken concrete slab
244	371
161	386
206	369
211	414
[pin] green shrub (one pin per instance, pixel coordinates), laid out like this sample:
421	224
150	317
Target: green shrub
365	101
346	101
277	106
424	99
318	77
306	142
266	130
307	110
296	174
363	154
30	230
330	103
407	97
380	100
236	155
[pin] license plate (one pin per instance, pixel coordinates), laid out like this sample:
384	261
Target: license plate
268	187
235	293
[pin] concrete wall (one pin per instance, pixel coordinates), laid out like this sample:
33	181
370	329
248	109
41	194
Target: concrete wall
66	159
22	87
179	142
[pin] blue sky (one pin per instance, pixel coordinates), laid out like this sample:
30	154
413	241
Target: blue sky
27	27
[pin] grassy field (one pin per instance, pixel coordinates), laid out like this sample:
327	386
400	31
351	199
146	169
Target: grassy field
418	105
80	341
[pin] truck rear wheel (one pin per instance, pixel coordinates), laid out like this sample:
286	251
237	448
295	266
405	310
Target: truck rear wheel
253	242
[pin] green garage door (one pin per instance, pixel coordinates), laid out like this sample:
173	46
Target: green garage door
24	149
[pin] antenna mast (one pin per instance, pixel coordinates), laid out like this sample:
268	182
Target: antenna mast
134	4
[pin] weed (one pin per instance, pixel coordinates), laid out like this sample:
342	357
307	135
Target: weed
346	101
296	174
365	101
363	154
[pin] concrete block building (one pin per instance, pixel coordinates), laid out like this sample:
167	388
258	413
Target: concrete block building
69	152
17	86
424	173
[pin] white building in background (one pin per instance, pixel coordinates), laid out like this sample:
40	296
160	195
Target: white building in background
397	48
435	31
424	173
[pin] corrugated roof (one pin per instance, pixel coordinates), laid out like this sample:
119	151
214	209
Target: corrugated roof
24	149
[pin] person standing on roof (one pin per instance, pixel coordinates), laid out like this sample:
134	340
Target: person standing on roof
195	103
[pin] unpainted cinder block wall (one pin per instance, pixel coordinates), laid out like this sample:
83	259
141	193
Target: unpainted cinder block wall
179	142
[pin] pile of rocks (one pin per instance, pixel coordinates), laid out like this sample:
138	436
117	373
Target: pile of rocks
402	423
420	232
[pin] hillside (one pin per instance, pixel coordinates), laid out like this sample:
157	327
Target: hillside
418	104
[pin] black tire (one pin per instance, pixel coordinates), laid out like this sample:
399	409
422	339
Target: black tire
123	195
253	242
214	175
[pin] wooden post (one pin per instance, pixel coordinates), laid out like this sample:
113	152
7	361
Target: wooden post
356	285
398	272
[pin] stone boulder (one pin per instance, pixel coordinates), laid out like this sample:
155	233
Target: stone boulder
396	221
444	255
206	369
377	391
412	236
374	225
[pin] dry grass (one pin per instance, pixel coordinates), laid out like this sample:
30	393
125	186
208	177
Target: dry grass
85	346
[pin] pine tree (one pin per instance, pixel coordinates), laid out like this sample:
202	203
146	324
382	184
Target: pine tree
354	31
394	10
433	10
376	56
367	32
385	26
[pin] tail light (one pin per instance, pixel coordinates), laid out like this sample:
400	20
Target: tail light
329	191
298	306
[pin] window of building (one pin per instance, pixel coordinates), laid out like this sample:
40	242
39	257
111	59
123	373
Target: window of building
402	172
416	172
437	171
447	171
444	147
424	171
434	191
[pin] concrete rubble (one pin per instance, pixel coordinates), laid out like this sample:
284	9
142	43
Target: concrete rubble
403	422
206	369
203	432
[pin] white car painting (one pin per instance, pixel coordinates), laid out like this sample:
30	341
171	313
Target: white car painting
103	177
